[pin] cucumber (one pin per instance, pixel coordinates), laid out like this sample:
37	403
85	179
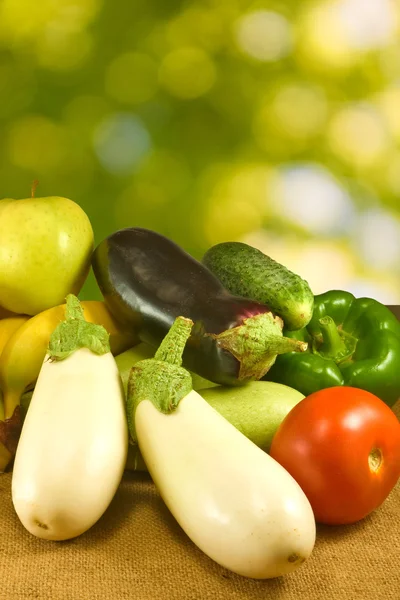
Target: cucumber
246	271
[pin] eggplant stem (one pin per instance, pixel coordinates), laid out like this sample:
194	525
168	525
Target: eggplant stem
161	379
256	343
73	309
75	332
171	348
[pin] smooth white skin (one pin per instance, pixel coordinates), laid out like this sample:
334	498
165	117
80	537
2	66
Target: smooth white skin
73	446
234	501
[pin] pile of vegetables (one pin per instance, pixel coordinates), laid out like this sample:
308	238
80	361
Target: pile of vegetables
257	408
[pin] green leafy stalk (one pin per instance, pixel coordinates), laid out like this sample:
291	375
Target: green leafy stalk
256	343
161	379
75	333
172	346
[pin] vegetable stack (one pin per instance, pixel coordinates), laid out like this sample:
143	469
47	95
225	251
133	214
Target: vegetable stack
257	407
148	281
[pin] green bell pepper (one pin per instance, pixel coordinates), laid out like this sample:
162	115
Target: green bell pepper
351	341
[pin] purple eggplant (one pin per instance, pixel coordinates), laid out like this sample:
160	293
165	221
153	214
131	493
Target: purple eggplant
147	281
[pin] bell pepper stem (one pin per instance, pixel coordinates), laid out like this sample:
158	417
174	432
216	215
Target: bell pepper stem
332	344
336	344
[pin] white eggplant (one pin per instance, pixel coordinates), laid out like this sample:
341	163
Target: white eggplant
73	445
234	501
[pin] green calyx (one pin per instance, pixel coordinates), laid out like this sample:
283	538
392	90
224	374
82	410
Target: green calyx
75	333
333	343
161	379
256	343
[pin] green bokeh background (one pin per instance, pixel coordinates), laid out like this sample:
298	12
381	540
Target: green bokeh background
191	118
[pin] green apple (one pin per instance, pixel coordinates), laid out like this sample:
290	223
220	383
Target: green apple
45	252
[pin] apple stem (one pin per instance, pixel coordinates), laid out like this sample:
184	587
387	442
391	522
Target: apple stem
33	187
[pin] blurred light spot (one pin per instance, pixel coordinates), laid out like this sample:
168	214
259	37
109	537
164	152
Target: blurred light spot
149	192
322	40
161	179
393	173
5	77
328	265
385	290
377	239
54	31
187	73
235	201
24	19
228	219
358	135
17	88
300	110
57	50
37	143
264	35
197	25
336	33
389	61
296	111
141	196
368	24
170	169
309	196
325	264
131	78
155	42
121	141
389	104
84	112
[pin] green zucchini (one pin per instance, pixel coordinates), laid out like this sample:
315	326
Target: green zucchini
246	271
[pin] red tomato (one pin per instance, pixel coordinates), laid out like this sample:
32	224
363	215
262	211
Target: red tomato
342	445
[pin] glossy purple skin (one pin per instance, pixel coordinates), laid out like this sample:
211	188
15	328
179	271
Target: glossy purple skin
147	281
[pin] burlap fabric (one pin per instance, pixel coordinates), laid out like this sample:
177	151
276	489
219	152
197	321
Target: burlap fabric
137	551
